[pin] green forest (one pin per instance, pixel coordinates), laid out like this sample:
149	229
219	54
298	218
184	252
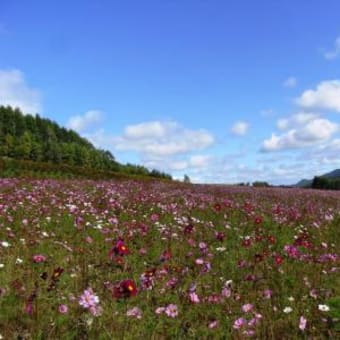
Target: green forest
36	139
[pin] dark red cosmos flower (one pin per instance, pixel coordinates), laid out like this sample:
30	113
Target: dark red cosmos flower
217	207
220	235
125	289
188	229
119	249
278	259
258	220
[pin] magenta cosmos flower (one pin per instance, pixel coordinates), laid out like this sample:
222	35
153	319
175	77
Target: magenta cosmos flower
39	258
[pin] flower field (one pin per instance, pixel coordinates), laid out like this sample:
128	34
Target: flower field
165	260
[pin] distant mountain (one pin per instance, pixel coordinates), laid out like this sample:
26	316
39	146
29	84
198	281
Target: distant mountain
332	174
304	183
308	183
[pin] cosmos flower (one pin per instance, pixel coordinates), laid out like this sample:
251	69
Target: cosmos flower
171	310
287	310
247	307
134	312
267	293
125	289
159	310
88	299
213	324
39	258
63	309
194	297
323	308
239	323
119	249
302	323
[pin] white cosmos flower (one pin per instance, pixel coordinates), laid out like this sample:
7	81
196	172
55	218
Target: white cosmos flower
5	244
323	308
287	310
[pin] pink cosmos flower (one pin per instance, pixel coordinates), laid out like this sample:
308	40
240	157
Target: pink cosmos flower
39	258
247	307
213	324
89	239
199	261
63	309
239	323
154	217
226	292
291	251
194	297
267	293
134	312
302	323
171	310
96	310
88	299
160	310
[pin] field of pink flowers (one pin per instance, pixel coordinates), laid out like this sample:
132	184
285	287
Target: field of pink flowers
159	260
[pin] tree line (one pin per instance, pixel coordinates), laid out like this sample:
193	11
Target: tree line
32	138
320	182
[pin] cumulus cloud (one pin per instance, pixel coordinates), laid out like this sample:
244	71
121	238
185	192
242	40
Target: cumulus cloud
335	52
296	119
81	123
313	132
239	128
178	164
325	153
162	139
326	96
16	93
290	82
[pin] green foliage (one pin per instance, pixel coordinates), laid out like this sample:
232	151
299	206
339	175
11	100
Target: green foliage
186	179
260	184
321	182
32	138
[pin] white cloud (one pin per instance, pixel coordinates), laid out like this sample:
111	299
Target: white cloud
178	164
335	52
199	161
162	139
148	130
326	96
313	132
290	82
240	128
296	119
83	122
15	92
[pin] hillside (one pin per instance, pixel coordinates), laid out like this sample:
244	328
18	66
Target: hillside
35	139
330	180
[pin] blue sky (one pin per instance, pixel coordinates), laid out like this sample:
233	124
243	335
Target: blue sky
224	91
